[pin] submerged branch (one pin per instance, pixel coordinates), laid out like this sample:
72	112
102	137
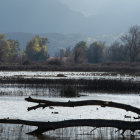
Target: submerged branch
47	103
48	126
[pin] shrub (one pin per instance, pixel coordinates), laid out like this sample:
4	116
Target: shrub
69	91
61	75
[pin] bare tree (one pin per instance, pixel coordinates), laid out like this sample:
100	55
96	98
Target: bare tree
68	52
131	41
79	53
61	53
95	52
116	52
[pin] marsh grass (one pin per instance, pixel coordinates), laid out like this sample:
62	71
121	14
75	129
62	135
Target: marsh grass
66	87
69	91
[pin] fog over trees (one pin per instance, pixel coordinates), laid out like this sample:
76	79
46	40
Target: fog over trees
90	18
126	49
70	54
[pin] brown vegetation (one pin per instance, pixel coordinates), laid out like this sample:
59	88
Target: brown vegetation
83	85
123	67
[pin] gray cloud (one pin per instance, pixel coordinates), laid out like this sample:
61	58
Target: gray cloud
106	16
95	7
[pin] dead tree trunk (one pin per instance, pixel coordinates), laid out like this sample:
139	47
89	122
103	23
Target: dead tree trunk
46	103
48	126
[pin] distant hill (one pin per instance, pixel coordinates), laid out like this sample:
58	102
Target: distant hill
39	16
52	16
59	41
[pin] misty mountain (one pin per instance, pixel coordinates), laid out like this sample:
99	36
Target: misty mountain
52	16
38	16
64	26
60	41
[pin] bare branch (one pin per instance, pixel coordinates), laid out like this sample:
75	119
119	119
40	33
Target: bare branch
48	126
46	103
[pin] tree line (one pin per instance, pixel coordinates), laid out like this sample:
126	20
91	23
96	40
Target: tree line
127	48
36	50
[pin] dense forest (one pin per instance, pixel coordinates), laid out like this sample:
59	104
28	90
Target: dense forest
126	49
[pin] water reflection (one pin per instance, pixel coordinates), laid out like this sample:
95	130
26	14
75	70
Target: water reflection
18	132
35	90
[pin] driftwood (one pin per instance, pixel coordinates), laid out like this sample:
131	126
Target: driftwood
45	103
96	123
48	126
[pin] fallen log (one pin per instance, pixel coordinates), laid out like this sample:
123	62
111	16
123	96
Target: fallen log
48	126
46	103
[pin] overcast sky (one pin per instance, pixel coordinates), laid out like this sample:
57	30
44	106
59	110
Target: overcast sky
95	7
61	16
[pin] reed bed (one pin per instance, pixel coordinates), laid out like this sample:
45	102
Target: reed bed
101	85
66	87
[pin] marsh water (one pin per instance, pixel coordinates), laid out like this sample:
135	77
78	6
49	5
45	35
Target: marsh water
13	106
69	75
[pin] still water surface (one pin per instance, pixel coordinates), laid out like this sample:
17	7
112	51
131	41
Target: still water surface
16	108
